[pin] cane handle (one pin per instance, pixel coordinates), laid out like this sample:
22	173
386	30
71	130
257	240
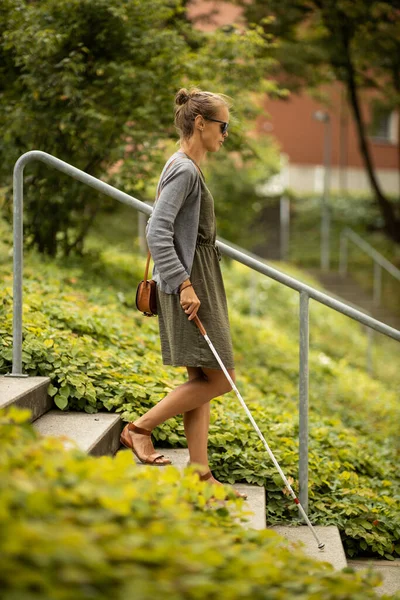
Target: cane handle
200	325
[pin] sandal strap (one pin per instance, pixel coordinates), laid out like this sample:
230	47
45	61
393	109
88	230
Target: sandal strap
206	476
136	429
153	460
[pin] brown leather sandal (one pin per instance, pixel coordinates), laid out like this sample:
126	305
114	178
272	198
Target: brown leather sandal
151	459
209	475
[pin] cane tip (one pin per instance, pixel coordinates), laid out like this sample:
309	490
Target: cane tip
321	546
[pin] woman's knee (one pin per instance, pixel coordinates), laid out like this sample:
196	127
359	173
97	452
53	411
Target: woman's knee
219	381
195	373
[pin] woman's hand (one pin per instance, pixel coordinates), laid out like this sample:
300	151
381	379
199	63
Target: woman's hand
189	300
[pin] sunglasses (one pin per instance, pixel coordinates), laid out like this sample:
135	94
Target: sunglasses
224	125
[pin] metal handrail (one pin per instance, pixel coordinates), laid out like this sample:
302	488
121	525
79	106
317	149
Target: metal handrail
380	262
253	302
306	292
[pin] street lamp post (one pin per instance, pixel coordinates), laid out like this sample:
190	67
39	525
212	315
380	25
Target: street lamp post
284	210
324	117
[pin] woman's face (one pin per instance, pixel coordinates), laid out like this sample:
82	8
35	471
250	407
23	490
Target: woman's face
212	136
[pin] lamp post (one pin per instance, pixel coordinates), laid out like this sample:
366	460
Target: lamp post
324	117
284	209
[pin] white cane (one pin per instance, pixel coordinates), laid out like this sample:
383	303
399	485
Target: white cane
203	332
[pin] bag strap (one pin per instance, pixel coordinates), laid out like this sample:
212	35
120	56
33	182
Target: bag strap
146	269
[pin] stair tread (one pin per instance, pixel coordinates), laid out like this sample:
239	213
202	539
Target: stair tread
14	388
255	494
388	569
82	429
329	535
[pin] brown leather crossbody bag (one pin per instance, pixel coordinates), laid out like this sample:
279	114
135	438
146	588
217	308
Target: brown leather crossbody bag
146	293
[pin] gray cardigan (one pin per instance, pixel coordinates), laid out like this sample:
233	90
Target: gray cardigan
171	231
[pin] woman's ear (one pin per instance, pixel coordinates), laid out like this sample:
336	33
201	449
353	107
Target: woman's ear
199	122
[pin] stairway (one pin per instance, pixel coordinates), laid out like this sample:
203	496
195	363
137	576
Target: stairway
349	291
98	435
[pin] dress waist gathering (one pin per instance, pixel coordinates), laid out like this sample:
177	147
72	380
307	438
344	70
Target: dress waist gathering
200	242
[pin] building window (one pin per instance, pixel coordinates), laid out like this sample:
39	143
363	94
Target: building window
382	127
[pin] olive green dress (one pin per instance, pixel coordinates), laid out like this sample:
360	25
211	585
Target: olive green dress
181	341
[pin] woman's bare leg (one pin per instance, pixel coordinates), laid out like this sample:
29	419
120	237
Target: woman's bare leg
196	423
186	397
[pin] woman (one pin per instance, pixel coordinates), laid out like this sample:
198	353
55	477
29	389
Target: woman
181	236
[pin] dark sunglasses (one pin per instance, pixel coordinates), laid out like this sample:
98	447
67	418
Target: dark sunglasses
224	125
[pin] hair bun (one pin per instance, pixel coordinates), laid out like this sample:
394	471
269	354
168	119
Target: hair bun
182	96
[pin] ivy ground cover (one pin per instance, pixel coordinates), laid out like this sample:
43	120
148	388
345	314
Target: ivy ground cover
81	330
75	526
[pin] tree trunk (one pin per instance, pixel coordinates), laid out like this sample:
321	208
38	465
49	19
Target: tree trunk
392	226
396	83
398	147
83	232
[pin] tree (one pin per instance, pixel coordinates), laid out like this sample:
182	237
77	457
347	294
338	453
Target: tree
82	79
354	42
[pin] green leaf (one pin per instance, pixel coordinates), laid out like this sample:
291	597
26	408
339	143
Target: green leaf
51	390
61	401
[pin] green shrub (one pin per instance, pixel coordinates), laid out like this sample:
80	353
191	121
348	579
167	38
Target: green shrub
81	331
5	239
89	67
80	527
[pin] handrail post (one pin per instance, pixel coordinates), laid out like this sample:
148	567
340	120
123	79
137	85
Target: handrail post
377	283
303	400
380	262
18	185
343	254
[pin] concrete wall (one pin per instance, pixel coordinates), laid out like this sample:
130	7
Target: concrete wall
309	178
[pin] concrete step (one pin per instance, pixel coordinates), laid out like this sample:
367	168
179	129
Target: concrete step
388	569
96	434
255	494
26	392
333	552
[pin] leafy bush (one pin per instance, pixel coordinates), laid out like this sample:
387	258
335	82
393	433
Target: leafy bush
104	74
5	240
74	526
81	331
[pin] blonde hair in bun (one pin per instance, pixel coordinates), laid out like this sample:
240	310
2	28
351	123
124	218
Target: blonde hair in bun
189	104
182	97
